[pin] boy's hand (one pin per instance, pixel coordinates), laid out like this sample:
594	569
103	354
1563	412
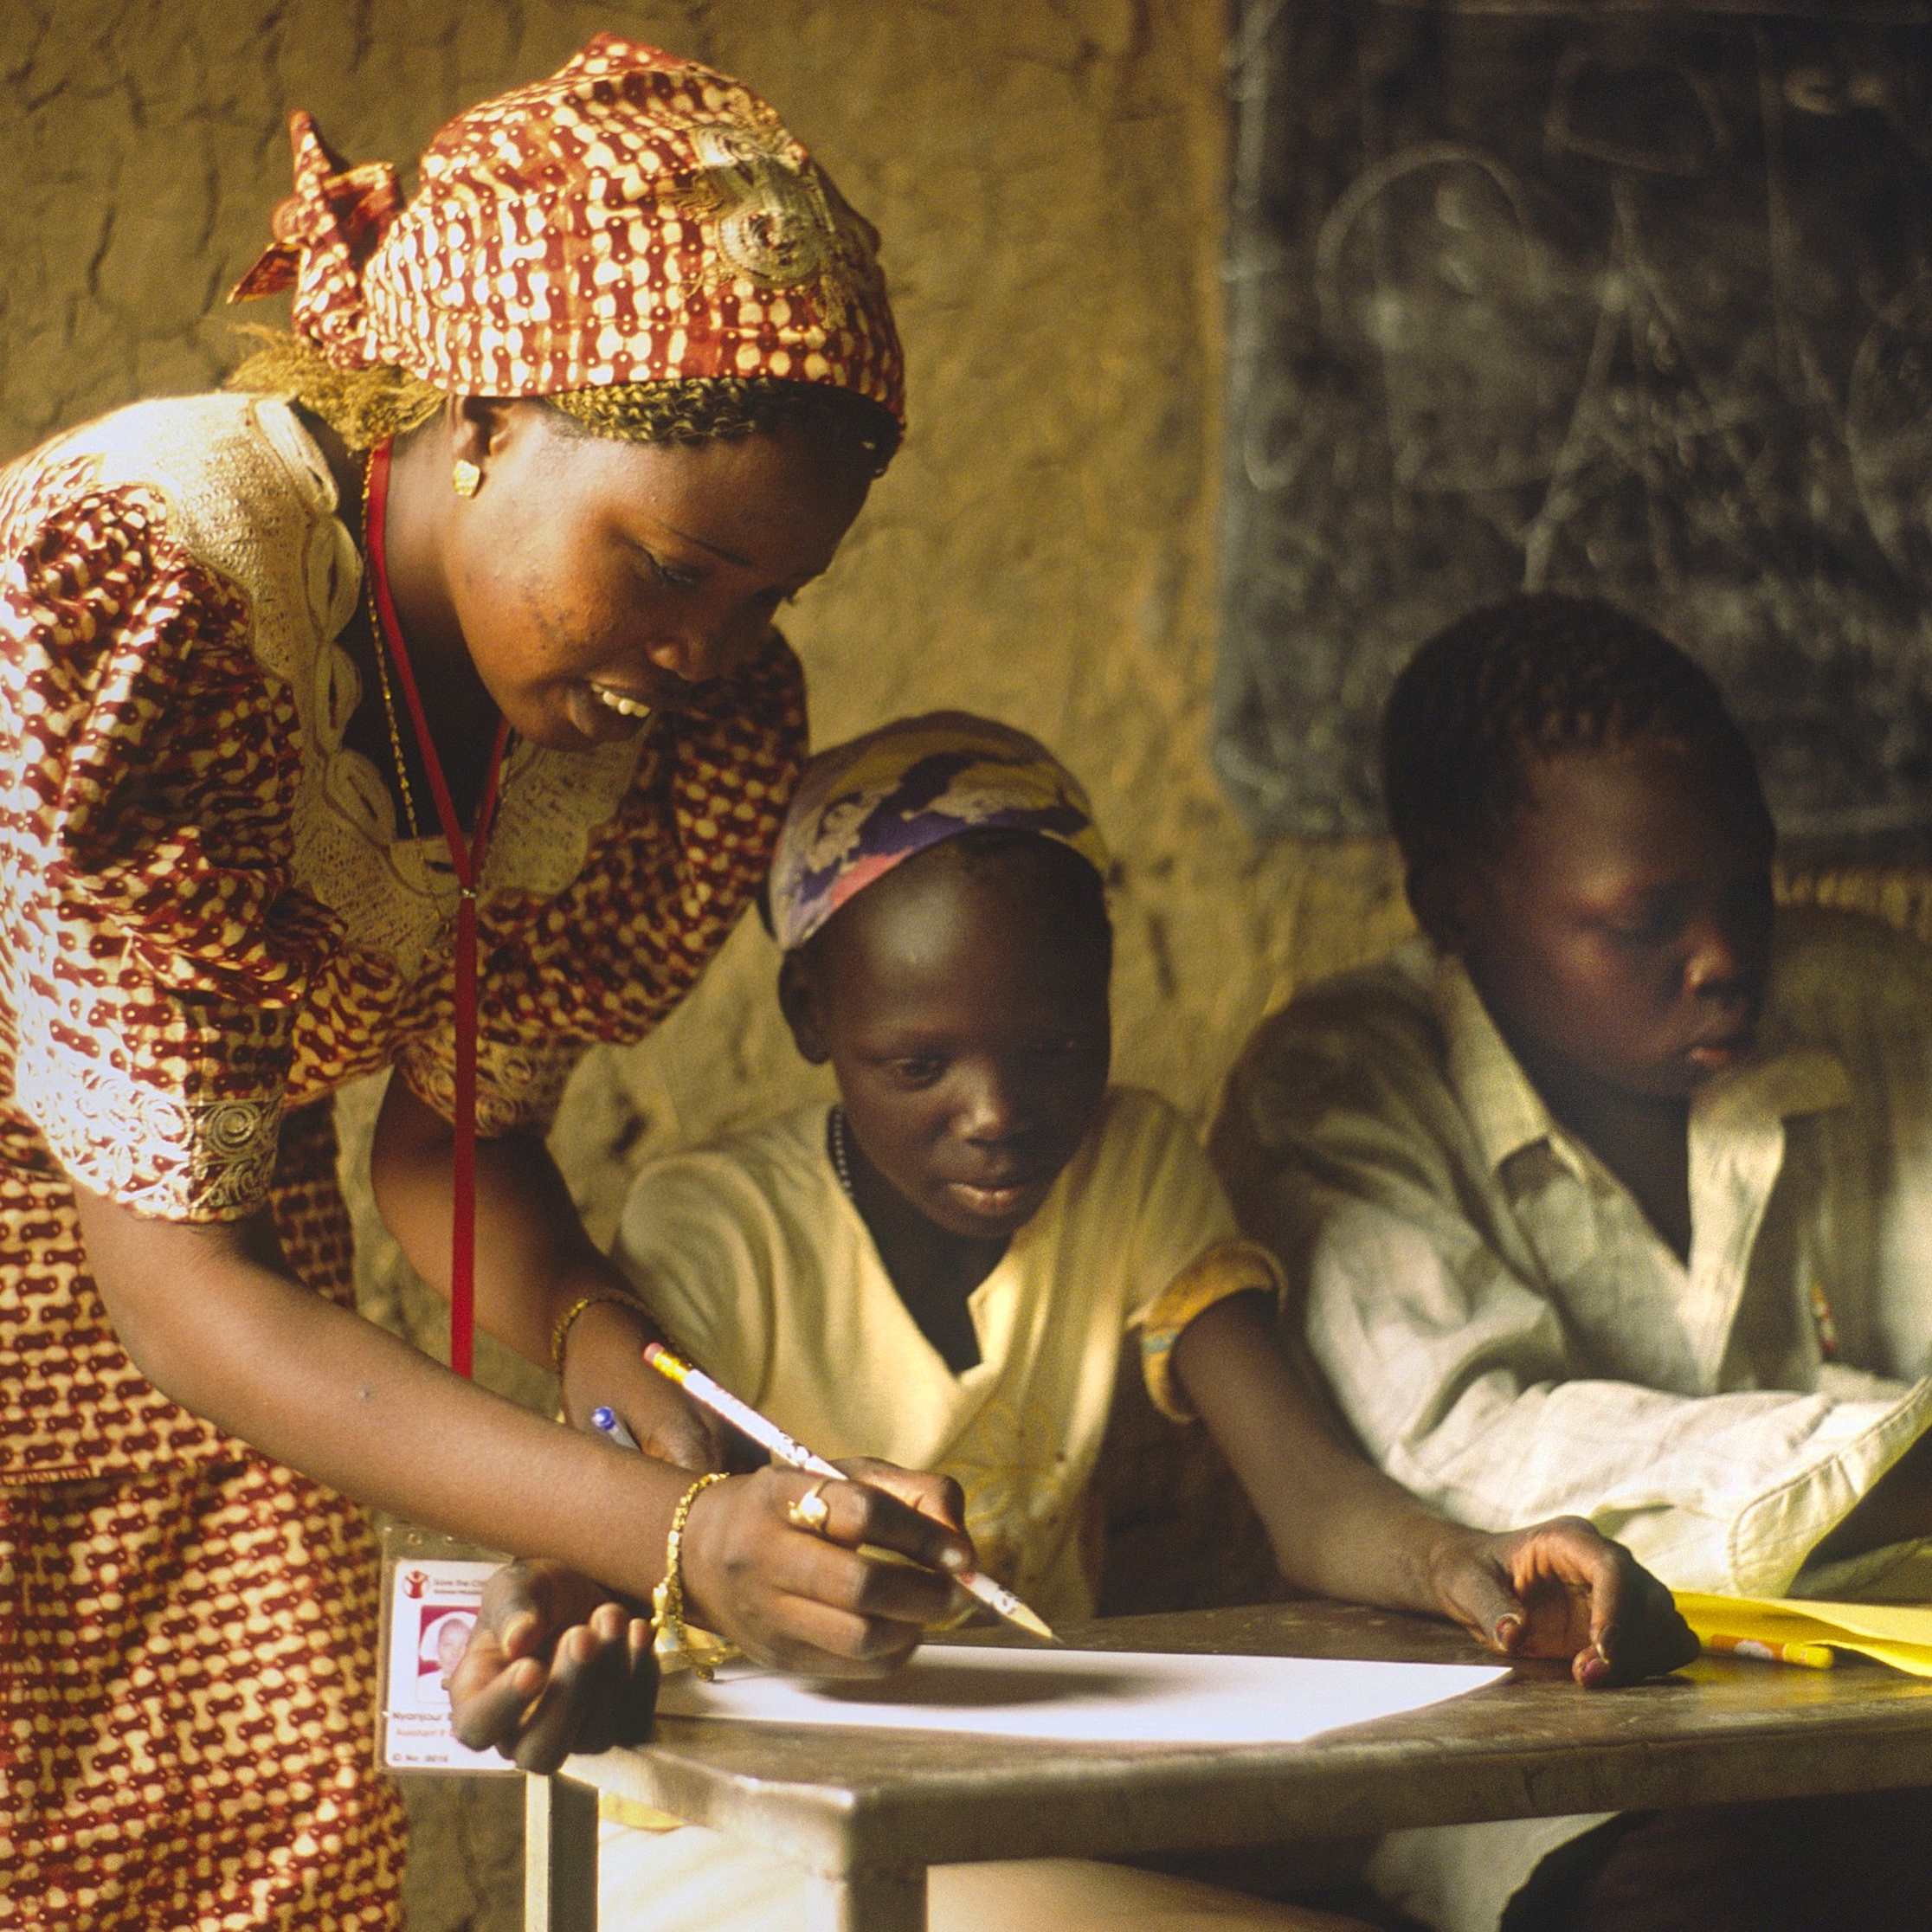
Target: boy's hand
554	1665
806	1600
1562	1589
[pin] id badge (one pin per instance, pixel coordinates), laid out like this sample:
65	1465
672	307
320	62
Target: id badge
432	1588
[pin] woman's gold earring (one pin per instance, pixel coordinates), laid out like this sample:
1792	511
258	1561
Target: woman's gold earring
467	478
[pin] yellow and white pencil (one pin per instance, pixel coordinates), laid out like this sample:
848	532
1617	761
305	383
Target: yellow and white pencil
1813	1656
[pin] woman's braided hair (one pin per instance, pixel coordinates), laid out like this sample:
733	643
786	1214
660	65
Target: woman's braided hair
365	407
1522	680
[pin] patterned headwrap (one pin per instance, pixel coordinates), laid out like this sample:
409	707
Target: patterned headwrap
865	807
634	218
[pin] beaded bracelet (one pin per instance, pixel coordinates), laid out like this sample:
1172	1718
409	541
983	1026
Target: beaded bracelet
674	1643
561	1334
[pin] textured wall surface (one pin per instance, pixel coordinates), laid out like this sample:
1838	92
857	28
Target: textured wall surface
1047	175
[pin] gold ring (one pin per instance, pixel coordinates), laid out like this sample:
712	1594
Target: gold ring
811	1511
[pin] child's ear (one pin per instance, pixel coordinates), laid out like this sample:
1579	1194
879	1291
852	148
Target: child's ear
798	1000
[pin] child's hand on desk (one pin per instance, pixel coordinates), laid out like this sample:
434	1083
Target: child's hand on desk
1560	1589
807	1600
554	1664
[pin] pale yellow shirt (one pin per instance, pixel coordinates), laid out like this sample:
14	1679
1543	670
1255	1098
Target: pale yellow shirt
1511	1338
756	1262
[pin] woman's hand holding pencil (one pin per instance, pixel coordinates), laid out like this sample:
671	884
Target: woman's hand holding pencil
785	1449
810	1602
557	1665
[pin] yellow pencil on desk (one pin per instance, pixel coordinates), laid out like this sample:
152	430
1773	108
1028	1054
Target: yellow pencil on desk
1813	1656
787	1449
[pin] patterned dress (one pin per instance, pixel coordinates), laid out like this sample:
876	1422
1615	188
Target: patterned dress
208	924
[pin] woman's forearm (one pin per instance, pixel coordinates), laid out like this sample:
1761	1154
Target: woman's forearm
318	1387
533	1258
1339	1526
534	1265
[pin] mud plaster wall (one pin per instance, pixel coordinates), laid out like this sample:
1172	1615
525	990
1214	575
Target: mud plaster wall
1048	175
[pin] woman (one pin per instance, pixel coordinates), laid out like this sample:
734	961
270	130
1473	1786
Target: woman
610	389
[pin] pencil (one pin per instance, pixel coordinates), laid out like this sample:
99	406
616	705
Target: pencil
741	1415
1813	1656
769	1437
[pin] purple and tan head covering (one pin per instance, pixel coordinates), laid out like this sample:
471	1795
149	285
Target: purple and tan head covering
866	807
634	218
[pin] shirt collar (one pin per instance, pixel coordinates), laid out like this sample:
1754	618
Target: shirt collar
1504	1110
1782	1079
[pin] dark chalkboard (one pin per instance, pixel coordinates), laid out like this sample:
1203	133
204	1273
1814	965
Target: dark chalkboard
1623	298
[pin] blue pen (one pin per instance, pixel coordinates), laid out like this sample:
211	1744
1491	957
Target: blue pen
608	1422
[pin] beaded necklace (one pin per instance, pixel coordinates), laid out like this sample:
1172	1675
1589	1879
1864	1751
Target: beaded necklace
377	633
841	1155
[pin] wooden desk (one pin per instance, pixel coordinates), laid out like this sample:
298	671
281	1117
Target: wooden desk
865	1814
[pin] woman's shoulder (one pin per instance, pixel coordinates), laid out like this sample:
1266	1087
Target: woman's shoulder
1133	1113
233	483
197	453
1847	977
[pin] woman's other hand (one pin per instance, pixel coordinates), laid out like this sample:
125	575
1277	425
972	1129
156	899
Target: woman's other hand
1562	1589
604	1368
554	1665
807	1600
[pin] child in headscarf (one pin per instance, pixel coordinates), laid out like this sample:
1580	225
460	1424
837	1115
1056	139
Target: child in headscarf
940	1269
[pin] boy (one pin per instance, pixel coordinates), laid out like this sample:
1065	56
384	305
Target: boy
1614	1195
941	1268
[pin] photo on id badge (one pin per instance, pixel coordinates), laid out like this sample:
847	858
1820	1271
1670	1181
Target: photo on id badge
432	1605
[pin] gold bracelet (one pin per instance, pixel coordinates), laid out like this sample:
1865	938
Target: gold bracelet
567	1320
674	1645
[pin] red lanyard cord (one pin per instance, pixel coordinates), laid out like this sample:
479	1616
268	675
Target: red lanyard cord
465	856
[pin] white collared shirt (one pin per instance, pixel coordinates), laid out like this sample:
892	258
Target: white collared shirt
1510	1336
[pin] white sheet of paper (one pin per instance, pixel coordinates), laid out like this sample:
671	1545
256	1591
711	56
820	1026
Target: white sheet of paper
1087	1697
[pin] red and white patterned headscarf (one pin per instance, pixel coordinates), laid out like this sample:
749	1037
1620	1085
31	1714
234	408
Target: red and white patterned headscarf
633	218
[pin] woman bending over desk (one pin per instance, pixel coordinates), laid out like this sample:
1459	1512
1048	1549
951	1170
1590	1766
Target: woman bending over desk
454	615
